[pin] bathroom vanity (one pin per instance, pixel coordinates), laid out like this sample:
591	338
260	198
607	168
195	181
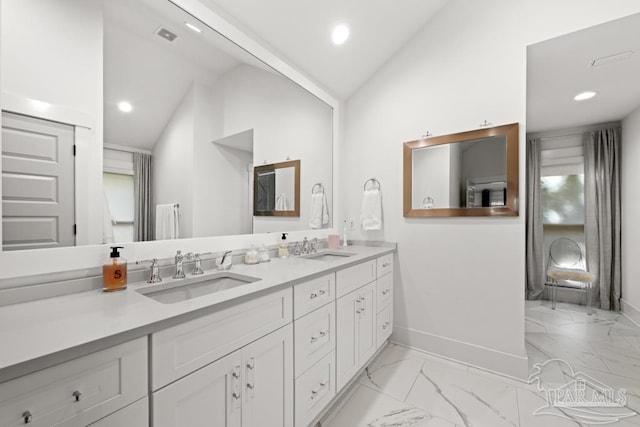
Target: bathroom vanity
274	351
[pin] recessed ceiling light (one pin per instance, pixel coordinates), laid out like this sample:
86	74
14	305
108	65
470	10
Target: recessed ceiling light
125	106
193	27
340	34
585	95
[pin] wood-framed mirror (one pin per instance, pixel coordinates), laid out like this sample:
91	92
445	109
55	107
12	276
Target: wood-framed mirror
473	173
276	189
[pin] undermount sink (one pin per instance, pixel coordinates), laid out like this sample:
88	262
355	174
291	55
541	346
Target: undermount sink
177	291
328	255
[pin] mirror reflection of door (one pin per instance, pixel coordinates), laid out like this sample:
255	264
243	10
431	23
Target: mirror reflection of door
266	190
38	191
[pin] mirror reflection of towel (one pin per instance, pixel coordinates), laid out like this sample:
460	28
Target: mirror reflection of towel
371	211
281	202
167	222
318	211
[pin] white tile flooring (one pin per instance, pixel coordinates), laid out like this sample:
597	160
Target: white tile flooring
406	388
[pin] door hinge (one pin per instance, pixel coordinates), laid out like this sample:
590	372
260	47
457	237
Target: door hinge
74	150
75	229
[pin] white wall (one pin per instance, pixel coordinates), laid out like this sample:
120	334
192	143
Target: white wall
221	185
63	69
286	123
173	164
469	63
630	214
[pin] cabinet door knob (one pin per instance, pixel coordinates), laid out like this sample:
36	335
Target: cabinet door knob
250	386
26	415
76	394
313	295
323	333
314	339
322	292
236	395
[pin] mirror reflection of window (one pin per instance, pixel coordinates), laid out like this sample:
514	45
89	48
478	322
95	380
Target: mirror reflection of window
118	190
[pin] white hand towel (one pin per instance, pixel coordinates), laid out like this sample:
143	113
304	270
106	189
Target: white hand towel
281	202
167	222
371	211
318	211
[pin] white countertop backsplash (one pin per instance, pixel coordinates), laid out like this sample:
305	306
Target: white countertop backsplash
34	330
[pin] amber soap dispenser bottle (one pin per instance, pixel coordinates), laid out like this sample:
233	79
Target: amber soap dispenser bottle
114	272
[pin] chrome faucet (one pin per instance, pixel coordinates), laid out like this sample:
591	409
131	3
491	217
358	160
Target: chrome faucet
305	246
197	270
179	258
154	276
312	245
294	248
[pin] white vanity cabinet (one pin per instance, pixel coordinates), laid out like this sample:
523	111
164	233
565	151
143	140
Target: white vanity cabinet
250	387
356	331
384	295
134	415
78	392
315	343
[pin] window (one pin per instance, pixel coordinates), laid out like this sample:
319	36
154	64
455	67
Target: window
563	199
118	190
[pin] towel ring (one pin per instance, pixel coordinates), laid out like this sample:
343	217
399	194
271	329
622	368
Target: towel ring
428	203
374	182
318	185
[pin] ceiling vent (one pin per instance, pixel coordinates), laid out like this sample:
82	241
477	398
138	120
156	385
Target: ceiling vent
616	57
166	34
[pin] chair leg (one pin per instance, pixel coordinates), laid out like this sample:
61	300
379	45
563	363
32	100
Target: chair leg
589	307
554	294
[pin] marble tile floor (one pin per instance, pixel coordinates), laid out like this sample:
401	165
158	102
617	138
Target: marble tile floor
600	353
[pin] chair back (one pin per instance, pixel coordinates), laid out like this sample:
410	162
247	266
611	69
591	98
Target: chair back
565	253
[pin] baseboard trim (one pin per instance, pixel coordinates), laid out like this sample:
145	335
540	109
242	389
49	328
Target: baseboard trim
497	362
630	311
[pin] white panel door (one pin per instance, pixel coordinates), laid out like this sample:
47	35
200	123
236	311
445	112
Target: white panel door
38	189
267	399
346	339
367	331
210	396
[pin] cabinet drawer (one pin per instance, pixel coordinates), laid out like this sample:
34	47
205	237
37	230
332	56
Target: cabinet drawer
77	392
384	325
384	264
314	390
314	337
136	414
384	289
181	349
315	293
352	278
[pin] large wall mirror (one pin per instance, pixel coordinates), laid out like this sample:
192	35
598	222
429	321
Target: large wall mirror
200	113
472	173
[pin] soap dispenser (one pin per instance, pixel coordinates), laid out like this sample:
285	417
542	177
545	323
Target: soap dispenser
114	272
283	249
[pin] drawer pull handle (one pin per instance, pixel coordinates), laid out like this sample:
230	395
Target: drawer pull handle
313	295
314	339
250	365
26	415
250	386
323	333
313	394
76	394
236	395
322	292
385	292
385	265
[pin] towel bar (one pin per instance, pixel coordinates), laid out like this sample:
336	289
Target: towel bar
374	181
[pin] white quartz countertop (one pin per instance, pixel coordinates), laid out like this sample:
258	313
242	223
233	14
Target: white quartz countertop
36	329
